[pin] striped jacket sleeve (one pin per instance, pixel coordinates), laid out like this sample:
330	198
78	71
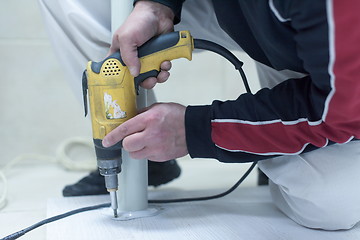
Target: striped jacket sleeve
175	6
298	114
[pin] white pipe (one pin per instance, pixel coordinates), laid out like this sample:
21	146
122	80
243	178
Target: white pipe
120	10
133	179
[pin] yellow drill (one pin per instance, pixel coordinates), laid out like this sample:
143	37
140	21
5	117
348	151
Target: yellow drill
112	96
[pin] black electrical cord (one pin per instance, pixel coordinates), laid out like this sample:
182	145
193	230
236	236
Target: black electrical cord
216	48
52	219
20	233
230	190
198	44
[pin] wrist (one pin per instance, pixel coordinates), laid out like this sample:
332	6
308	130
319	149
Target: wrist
162	12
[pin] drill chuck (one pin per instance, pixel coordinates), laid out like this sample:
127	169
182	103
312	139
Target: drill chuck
109	162
110	169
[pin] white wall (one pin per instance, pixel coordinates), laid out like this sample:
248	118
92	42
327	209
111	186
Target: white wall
38	109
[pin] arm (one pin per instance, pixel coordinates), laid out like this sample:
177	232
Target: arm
297	114
174	5
147	20
143	135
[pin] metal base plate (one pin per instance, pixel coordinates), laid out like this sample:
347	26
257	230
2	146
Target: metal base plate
126	216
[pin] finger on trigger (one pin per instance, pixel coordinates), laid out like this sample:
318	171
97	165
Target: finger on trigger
115	136
149	83
129	127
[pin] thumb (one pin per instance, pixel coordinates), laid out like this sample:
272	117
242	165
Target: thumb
131	60
129	54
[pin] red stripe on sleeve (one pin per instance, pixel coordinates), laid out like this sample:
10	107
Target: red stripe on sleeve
265	139
344	107
341	118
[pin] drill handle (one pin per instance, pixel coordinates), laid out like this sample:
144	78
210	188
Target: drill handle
165	47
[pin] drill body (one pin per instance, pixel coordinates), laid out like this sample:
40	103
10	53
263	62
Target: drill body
112	94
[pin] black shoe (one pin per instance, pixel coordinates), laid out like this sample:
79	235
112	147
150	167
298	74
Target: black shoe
162	172
94	183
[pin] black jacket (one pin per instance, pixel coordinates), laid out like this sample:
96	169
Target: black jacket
318	38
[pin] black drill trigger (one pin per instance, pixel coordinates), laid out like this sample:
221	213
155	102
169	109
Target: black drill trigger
139	79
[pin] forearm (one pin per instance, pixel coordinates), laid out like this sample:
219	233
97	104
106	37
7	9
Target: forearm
297	114
280	121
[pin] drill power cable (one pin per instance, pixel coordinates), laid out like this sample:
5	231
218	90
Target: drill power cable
52	219
20	233
196	199
198	44
216	48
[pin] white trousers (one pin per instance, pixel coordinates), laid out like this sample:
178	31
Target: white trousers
319	189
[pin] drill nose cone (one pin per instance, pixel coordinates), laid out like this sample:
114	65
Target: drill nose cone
115	213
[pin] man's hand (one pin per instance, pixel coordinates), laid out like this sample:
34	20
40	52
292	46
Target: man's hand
148	19
158	133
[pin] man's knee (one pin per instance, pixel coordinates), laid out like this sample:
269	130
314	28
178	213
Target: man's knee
317	209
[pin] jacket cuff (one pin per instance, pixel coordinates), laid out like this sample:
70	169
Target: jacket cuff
198	132
174	5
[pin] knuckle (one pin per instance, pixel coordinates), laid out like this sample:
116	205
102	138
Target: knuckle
154	117
122	131
111	138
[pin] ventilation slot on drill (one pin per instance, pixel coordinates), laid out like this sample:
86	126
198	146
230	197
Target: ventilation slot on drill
111	68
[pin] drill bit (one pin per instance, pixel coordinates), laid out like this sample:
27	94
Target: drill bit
111	184
114	203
